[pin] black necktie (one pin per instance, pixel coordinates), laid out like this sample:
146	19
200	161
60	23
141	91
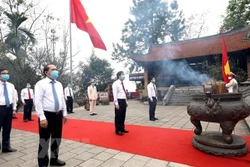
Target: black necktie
69	92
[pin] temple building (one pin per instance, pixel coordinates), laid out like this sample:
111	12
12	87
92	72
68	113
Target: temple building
171	62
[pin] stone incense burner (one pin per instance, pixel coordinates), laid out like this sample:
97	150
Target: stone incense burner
227	109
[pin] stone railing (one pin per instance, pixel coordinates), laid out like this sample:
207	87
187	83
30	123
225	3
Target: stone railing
168	95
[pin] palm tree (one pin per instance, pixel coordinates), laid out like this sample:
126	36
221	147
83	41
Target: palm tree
18	38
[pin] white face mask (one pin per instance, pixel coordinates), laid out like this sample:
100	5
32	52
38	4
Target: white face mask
229	78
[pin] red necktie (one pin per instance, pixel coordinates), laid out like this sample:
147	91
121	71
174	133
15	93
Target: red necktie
29	93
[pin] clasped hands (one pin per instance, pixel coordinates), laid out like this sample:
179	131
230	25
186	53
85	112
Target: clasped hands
44	123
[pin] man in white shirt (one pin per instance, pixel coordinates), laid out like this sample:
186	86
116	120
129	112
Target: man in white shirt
152	99
92	95
120	100
14	114
7	109
51	110
27	100
69	97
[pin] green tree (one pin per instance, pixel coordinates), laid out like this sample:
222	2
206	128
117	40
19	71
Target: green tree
215	70
152	22
97	69
18	52
238	14
18	36
15	39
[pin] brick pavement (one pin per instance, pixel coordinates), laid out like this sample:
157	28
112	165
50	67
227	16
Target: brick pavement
78	154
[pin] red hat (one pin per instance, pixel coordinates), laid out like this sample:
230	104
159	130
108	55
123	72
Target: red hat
232	74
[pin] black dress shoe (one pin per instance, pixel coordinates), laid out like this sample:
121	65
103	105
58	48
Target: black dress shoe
125	131
31	120
72	112
156	118
57	163
8	150
119	133
94	113
152	119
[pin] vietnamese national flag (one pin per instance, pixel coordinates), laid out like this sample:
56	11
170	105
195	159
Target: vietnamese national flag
82	21
225	63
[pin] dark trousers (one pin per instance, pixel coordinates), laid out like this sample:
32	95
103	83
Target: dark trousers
5	125
120	115
152	106
69	104
52	134
27	109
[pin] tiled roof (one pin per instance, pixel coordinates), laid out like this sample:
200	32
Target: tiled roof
210	45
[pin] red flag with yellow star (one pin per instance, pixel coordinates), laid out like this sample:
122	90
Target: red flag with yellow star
225	62
82	21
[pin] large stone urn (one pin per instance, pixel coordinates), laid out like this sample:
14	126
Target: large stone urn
227	109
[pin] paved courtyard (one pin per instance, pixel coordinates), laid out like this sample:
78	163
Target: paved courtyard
78	154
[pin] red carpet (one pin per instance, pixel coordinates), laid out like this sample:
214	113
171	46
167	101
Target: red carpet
160	143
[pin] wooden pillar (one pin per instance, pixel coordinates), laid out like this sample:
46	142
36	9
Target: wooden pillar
248	66
145	78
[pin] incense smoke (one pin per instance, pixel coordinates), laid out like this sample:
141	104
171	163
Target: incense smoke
183	73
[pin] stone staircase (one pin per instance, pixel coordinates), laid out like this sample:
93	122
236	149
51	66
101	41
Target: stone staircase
181	95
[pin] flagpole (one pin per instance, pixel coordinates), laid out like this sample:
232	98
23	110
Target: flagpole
70	43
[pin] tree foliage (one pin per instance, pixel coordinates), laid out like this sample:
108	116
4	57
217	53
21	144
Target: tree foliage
238	14
215	70
152	22
20	54
97	69
17	37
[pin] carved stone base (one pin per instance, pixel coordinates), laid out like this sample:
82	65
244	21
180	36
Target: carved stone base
213	143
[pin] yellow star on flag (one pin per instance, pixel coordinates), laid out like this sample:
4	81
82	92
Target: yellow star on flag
88	21
227	68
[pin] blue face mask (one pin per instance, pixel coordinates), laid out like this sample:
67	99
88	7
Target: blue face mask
54	74
28	86
5	77
123	77
69	86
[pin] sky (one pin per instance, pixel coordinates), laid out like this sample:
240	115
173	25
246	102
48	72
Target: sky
109	16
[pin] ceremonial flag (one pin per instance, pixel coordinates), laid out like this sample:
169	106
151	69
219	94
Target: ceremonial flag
225	62
82	21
